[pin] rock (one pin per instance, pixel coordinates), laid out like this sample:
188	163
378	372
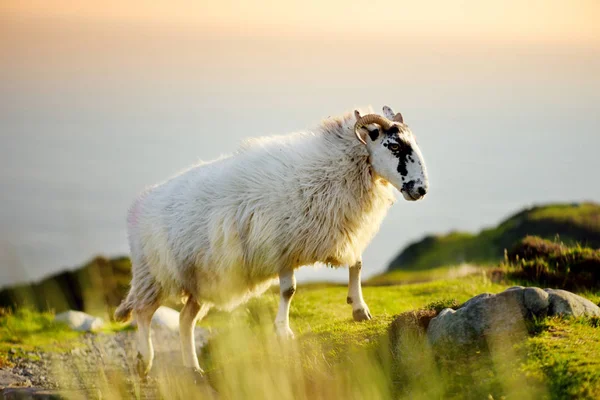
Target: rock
10	379
80	321
166	317
505	313
536	300
567	303
477	298
408	326
43	394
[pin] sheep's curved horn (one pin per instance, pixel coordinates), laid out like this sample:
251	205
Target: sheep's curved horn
371	119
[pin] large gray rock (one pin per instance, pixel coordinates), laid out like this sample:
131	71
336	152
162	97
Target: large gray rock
80	321
505	313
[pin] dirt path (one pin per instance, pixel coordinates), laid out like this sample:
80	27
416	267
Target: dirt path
99	366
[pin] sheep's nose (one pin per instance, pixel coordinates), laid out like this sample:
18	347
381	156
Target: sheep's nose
421	191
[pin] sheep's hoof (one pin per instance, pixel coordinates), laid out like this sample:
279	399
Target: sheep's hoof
284	332
361	314
141	368
196	375
199	380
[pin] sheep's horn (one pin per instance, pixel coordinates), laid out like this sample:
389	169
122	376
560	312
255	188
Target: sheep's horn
371	119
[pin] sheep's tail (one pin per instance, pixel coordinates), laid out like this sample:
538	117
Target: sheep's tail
123	312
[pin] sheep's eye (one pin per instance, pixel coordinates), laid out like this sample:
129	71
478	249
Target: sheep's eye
394	147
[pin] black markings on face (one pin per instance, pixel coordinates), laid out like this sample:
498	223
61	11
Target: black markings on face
374	134
392	130
400	148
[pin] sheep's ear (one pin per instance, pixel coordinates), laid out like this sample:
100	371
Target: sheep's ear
388	113
356	114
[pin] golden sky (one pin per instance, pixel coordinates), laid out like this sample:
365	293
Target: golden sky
532	20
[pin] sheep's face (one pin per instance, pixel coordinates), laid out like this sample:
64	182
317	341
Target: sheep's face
396	157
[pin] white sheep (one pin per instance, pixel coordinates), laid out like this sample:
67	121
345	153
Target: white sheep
220	232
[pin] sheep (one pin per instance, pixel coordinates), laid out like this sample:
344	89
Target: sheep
222	231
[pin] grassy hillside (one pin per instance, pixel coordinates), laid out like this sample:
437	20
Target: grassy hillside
334	357
97	287
572	223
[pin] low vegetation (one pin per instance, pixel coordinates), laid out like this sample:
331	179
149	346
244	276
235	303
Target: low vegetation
555	264
571	223
25	332
336	357
97	288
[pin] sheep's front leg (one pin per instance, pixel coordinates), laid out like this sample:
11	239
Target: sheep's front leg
287	288
360	310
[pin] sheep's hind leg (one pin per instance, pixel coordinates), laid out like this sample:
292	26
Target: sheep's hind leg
191	312
360	310
145	355
287	288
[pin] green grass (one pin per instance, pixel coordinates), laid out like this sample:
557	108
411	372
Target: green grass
335	357
581	215
564	355
322	314
329	341
27	331
401	276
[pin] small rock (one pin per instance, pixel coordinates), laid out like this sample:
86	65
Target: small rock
13	351
165	318
9	379
80	321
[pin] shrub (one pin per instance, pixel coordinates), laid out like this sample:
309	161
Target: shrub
555	264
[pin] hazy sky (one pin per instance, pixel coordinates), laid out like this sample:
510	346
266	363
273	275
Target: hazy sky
100	99
546	20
